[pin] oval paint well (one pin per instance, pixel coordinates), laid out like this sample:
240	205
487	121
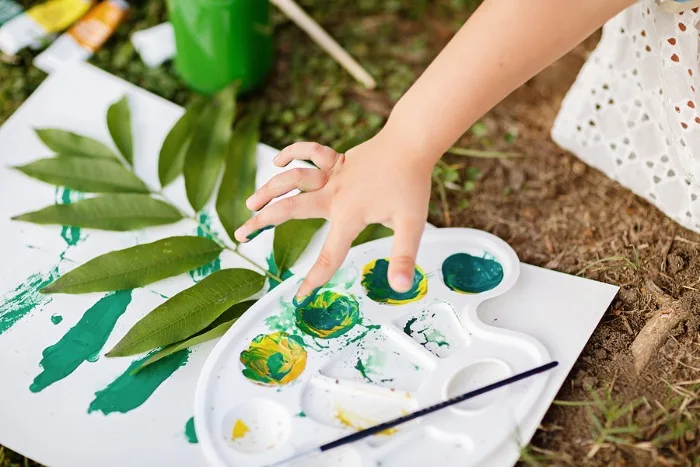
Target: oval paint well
256	426
274	359
469	274
328	315
376	284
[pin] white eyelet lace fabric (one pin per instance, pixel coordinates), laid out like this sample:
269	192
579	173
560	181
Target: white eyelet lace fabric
634	111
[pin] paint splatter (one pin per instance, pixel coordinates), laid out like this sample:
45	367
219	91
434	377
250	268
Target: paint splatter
376	284
272	269
274	359
190	432
358	422
285	320
17	303
204	229
469	274
239	430
301	414
344	278
83	342
70	234
329	315
56	319
428	335
130	391
371	367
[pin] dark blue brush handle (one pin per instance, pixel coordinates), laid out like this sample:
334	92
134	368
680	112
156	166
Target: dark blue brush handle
434	408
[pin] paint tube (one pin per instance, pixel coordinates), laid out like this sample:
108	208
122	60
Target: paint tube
40	22
8	10
85	37
155	45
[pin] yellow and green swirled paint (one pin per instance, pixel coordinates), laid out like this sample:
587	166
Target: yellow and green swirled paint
328	315
376	284
274	359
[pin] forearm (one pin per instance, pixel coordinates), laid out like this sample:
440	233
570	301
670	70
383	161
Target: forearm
504	43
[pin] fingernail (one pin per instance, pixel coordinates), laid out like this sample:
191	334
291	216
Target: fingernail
301	301
276	159
254	234
401	282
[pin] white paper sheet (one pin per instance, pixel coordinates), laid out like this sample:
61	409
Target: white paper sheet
53	426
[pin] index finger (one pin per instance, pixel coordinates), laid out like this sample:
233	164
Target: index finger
322	156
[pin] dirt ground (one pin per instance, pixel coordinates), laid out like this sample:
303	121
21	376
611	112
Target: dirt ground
553	209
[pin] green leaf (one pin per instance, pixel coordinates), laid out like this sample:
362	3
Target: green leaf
172	153
372	232
65	142
215	330
137	266
83	174
291	239
207	149
189	311
118	212
119	124
238	182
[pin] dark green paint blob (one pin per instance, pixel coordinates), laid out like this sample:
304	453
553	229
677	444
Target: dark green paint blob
17	303
329	315
71	235
204	229
465	273
301	415
305	300
375	281
255	233
272	269
359	366
56	319
83	342
190	433
130	391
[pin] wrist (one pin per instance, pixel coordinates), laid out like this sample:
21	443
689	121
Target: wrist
410	139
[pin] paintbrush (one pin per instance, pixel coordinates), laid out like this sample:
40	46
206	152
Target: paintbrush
412	416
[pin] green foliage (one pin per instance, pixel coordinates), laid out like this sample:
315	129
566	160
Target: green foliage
291	239
207	149
172	154
190	311
90	175
65	142
119	212
137	266
119	124
372	232
238	182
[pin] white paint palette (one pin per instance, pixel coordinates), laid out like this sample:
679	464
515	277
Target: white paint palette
286	379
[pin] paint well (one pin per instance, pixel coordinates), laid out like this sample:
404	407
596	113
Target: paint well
83	342
190	432
274	359
376	284
239	430
256	425
328	315
129	391
469	274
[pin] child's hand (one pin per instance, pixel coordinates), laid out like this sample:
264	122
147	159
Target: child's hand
377	182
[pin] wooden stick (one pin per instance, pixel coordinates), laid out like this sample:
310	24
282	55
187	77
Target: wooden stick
325	41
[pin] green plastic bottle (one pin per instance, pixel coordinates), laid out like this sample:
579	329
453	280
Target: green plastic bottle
221	41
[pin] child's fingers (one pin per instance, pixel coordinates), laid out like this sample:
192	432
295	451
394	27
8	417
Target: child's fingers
303	179
332	255
407	235
323	156
303	206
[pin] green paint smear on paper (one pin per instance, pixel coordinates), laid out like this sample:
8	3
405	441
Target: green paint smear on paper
128	391
429	334
328	315
375	281
56	319
469	274
272	269
190	433
17	303
203	230
83	342
66	196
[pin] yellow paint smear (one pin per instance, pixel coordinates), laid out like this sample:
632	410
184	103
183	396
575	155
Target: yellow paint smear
358	422
239	430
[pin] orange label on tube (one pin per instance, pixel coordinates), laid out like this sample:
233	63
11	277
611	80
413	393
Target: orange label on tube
97	25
